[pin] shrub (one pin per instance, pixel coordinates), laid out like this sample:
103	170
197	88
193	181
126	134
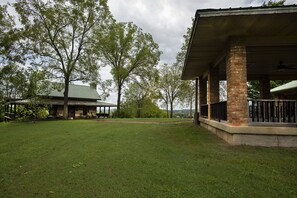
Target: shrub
32	112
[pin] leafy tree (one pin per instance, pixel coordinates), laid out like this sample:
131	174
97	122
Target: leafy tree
254	87
187	88
57	36
37	86
187	95
170	85
140	92
128	51
12	82
271	3
149	109
9	36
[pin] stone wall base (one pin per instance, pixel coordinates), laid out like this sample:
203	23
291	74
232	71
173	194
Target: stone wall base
253	135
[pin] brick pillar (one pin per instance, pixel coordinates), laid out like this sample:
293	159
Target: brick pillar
264	88
236	71
213	91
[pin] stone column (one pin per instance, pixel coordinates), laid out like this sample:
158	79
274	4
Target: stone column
236	71
213	91
264	88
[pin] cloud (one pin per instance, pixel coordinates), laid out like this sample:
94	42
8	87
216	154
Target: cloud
167	20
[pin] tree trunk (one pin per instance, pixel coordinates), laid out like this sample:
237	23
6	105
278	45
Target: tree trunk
138	110
66	91
119	98
167	110
171	109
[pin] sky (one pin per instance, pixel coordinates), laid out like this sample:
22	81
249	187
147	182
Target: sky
166	20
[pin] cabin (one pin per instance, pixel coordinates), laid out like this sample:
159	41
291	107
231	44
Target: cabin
239	45
83	102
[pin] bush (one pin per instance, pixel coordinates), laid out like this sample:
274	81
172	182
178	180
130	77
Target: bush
30	112
42	112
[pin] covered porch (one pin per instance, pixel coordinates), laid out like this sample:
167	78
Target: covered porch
237	46
76	108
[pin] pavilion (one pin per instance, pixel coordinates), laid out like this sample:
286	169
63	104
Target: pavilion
240	45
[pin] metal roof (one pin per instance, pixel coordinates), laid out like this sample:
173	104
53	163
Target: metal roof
77	91
270	35
70	103
286	87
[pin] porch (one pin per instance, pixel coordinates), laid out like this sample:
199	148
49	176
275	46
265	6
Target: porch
237	46
265	112
76	108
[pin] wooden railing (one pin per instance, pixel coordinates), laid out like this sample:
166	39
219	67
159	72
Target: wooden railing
273	110
219	111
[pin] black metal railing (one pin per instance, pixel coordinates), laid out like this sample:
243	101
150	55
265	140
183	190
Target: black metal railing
204	110
219	111
273	110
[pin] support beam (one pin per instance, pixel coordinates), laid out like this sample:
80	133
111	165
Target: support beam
237	106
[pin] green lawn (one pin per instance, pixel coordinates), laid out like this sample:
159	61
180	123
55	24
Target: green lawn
87	158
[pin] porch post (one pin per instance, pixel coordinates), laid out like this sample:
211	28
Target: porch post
236	72
265	88
213	91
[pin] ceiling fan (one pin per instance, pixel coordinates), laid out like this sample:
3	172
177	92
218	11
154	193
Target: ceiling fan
281	67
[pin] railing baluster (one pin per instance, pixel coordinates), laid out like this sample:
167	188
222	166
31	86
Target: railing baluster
273	111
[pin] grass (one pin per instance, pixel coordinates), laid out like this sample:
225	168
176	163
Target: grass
89	158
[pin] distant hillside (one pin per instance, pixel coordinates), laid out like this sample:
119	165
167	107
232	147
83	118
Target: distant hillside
182	113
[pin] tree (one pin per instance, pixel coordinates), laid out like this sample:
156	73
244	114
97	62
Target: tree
187	95
12	82
254	87
170	85
187	88
272	3
57	35
141	92
128	51
9	36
